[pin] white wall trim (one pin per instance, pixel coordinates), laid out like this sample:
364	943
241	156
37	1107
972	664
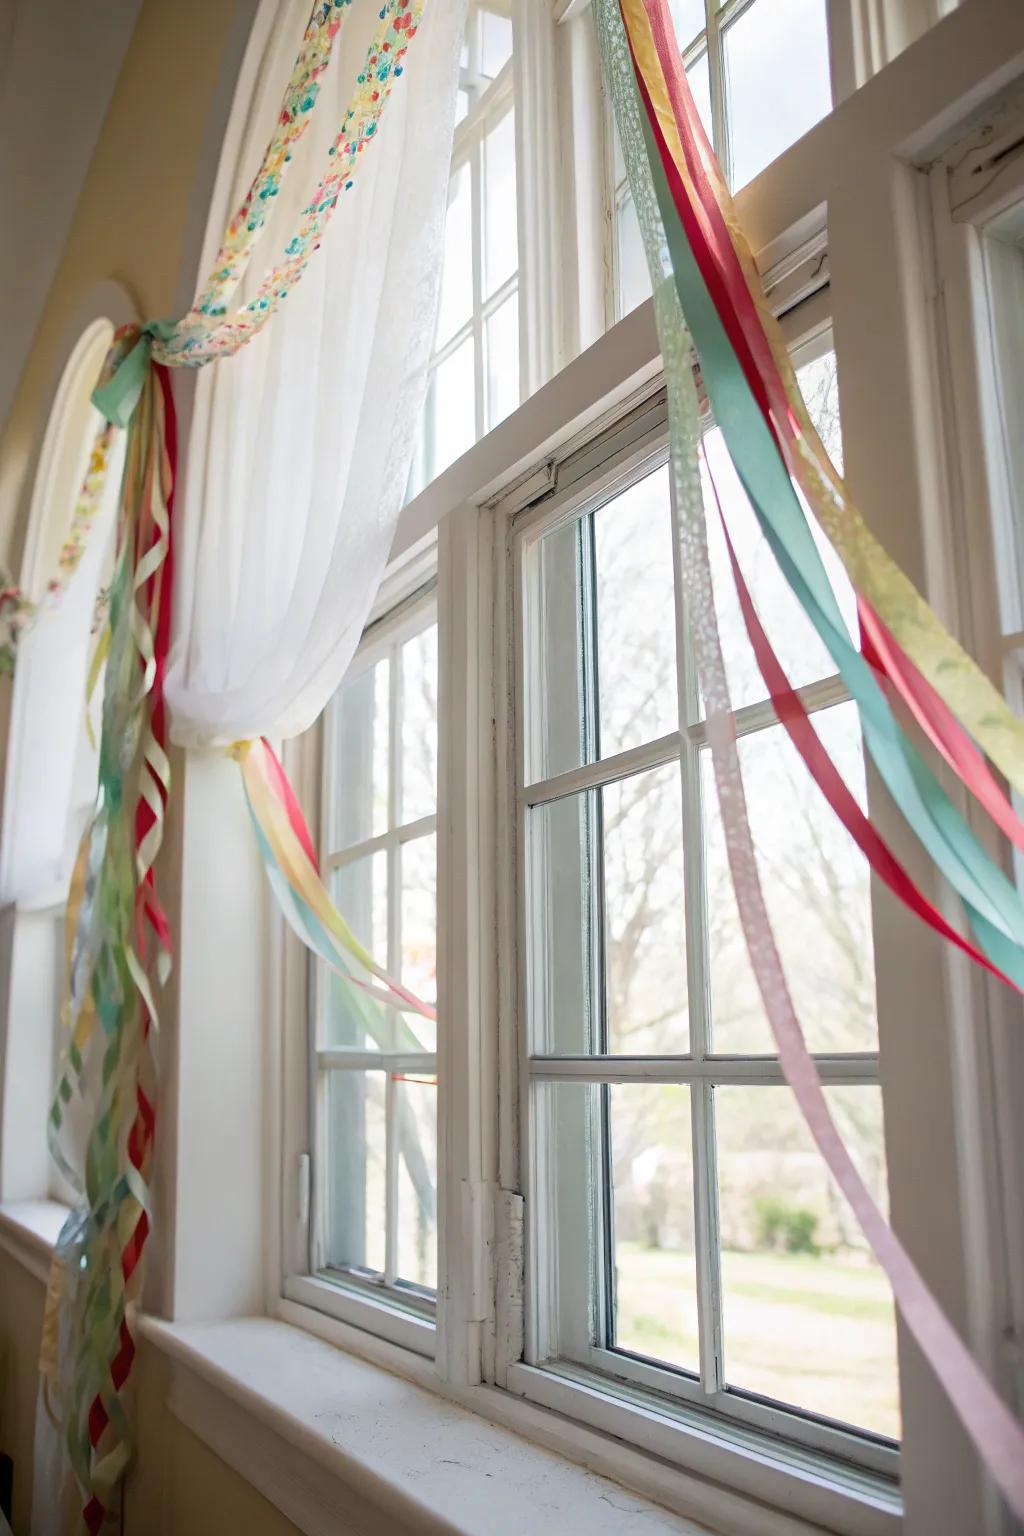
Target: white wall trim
319	1432
28	1233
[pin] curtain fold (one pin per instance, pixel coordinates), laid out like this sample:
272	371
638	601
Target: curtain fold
302	442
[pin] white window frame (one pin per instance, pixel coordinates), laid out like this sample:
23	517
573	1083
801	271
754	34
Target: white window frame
489	101
932	1064
405	606
698	1069
863	37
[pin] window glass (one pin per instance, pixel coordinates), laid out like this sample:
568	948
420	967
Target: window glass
686	1233
688	16
808	1315
475	370
633	278
501	255
817	889
375	1102
654	1309
777	80
769	70
456	302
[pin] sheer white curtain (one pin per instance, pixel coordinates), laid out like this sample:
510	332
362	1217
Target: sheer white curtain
301	444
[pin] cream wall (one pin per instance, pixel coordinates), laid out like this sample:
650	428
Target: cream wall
21	1319
139	222
178	1486
135	213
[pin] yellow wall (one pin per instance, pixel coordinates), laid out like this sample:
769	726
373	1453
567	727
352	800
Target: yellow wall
21	1320
177	1488
131	225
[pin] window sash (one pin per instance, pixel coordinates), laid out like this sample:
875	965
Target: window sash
384	639
701	1069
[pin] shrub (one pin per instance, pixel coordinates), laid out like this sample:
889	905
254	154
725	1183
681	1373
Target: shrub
785	1228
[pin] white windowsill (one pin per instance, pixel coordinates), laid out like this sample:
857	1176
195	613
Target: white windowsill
326	1436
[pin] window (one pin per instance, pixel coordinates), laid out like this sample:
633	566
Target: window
759	71
375	1069
475	371
632	1228
684	1234
1003	268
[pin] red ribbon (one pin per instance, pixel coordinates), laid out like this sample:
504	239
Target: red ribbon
793	716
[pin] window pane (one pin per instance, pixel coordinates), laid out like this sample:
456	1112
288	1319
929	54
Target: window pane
600	633
817	889
359	890
777	77
636	631
419	726
819	385
807	1311
633	278
688	16
561	838
803	655
644	897
617	1215
416	1139
501	227
451	409
655	1269
495	43
503	361
555	690
355	1192
419	925
456	302
359	759
699	77
606	893
461	106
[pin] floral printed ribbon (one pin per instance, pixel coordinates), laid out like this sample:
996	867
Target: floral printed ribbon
18	612
289	857
658	128
119	942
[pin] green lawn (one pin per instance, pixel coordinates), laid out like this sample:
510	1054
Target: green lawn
815	1332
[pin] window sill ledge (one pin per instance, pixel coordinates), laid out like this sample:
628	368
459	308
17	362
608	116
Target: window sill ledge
29	1230
332	1440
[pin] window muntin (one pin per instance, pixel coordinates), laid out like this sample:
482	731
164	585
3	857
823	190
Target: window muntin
760	74
375	1069
684	1236
475	374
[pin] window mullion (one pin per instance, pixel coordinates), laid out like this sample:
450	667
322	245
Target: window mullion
719	100
479	359
391	1177
542	201
702	1102
394	952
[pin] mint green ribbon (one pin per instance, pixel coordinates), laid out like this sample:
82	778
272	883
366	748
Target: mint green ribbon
119	396
993	906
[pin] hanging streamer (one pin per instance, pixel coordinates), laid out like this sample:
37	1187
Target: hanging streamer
119	941
793	716
290	859
735	286
991	902
625	32
119	945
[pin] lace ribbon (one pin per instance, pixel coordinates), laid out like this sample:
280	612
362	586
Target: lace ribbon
625	30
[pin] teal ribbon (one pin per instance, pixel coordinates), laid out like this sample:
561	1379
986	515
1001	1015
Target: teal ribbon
993	905
119	396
